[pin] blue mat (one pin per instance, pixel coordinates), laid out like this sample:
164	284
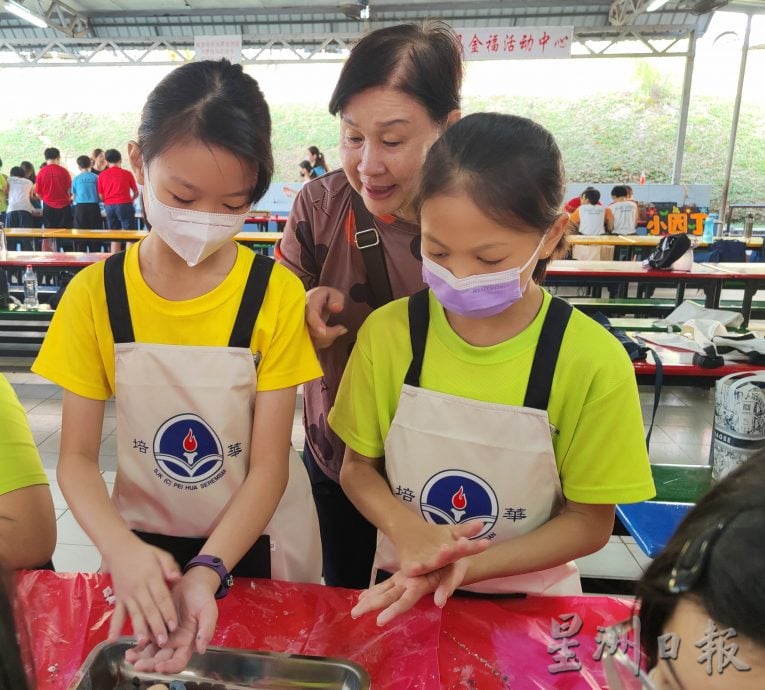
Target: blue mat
652	523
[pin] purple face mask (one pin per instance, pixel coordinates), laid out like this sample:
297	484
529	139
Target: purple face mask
477	296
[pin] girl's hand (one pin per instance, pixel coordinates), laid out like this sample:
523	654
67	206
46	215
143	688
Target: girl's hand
140	575
425	548
320	304
194	596
399	593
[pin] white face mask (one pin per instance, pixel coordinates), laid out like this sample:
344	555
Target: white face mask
192	235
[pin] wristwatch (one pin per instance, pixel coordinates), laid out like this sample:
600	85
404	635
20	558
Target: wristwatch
216	564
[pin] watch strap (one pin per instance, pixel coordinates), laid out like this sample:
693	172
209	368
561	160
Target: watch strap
216	564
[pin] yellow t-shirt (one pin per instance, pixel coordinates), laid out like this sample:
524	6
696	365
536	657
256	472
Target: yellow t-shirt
594	403
78	351
20	464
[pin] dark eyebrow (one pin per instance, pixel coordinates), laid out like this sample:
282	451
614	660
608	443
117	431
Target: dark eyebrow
193	188
434	240
382	125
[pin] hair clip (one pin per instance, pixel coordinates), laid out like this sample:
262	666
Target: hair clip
693	559
695	554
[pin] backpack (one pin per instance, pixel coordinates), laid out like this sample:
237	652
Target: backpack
637	351
669	250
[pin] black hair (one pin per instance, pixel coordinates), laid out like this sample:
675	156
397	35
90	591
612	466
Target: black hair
314	151
306	165
424	62
729	584
214	102
12	673
509	166
592	195
619	190
51	154
17	171
112	156
83	162
29	170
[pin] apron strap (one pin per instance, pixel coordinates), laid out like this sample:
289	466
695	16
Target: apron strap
117	299
419	317
252	300
546	355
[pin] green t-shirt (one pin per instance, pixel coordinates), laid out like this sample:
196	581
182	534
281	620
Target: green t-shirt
20	464
594	404
3	192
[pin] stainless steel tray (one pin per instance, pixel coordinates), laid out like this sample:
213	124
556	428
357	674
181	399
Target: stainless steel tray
221	669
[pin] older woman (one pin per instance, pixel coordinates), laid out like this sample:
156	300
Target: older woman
354	240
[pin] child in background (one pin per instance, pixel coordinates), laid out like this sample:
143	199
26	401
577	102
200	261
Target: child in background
21	192
484	408
592	218
87	210
625	211
186	329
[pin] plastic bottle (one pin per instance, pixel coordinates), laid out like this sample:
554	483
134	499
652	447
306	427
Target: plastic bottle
642	178
709	228
30	287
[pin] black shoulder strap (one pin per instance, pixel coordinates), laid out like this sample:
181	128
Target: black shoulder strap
368	241
546	355
117	299
252	300
419	317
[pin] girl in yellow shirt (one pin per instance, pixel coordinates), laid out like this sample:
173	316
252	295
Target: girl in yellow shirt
186	329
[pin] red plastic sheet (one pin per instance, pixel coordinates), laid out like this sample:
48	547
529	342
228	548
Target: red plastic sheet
481	644
65	615
526	644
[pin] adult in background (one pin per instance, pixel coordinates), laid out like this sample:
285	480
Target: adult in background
53	186
117	189
317	160
97	161
397	92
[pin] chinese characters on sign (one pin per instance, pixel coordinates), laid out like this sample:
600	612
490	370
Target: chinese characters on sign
677	223
217	47
516	42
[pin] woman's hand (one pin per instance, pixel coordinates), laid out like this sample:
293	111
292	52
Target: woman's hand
321	303
399	593
425	548
141	574
194	596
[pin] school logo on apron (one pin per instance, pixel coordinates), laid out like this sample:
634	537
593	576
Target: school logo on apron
187	449
453	497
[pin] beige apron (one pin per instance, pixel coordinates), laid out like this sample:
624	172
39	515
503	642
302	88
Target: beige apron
184	422
452	460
